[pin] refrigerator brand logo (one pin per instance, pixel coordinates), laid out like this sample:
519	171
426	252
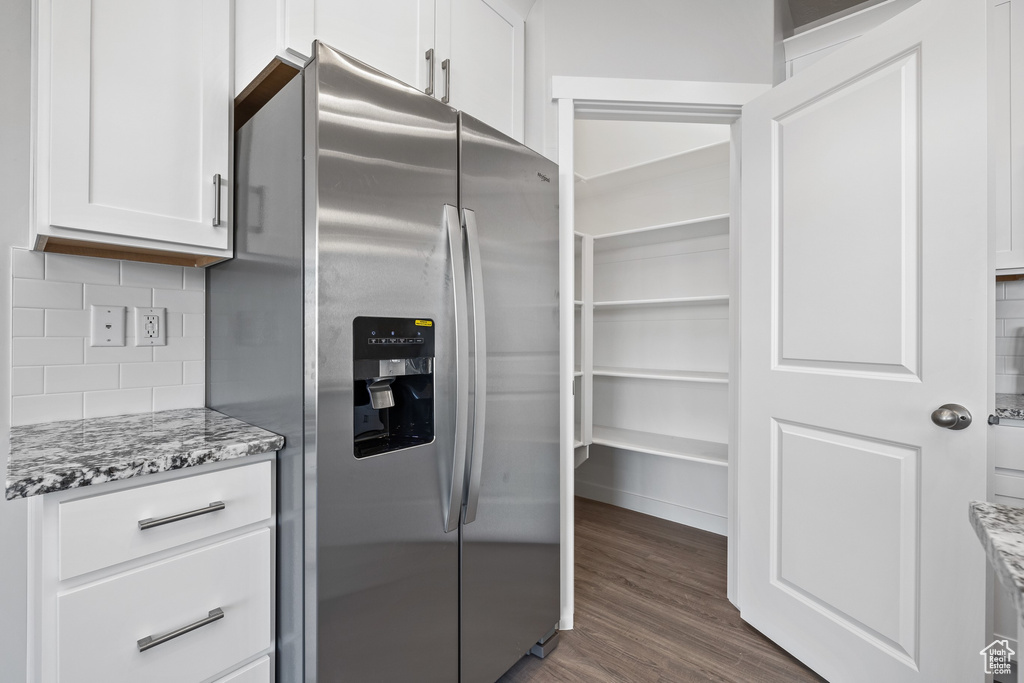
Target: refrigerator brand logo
997	657
543	177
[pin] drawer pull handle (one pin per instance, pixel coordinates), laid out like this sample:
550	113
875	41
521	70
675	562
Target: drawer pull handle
150	523
150	641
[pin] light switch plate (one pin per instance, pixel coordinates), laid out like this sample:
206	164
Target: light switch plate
150	326
106	325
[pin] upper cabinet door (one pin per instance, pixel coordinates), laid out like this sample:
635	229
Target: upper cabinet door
483	41
392	36
134	122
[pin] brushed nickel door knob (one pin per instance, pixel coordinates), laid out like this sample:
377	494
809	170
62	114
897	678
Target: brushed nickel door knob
952	416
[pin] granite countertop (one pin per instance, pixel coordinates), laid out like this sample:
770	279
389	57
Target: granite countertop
56	456
1001	530
1010	406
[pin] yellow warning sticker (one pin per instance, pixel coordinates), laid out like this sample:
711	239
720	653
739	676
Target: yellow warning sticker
425	323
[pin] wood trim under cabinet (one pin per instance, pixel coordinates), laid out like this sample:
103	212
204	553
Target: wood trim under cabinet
1010	278
63	245
268	83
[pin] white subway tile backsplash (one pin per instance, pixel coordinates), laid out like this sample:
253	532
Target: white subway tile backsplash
46	351
181	348
1010	384
195	278
185	396
61	379
25	381
194	372
1013	365
57	375
135	274
27	322
1012	327
184	301
45	294
150	375
174	324
119	402
67	323
1010	346
107	295
83	269
129	353
194	325
45	408
27	264
1013	289
1010	308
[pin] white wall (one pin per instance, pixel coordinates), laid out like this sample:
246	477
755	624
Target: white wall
687	40
15	48
601	147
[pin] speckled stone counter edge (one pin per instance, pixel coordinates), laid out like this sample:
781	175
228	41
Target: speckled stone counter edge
58	456
1010	406
1001	530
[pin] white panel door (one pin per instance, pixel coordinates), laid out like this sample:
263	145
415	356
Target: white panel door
390	35
864	293
485	49
135	119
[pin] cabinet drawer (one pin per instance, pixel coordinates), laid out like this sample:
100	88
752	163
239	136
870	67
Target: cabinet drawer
99	625
104	530
257	672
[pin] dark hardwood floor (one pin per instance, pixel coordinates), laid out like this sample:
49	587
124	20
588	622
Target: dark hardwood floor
651	606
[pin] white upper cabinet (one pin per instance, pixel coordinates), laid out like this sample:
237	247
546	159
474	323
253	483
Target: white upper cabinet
134	125
1006	132
485	49
468	53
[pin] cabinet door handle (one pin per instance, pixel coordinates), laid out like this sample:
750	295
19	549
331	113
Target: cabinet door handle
216	199
430	72
151	522
446	68
152	641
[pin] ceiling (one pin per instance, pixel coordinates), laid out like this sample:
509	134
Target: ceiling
804	12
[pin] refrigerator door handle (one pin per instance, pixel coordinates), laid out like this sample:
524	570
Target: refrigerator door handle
479	364
451	222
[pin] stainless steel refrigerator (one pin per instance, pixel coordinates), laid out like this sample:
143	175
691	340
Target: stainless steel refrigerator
392	311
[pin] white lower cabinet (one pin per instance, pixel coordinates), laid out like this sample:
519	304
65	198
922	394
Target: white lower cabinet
187	599
257	672
102	627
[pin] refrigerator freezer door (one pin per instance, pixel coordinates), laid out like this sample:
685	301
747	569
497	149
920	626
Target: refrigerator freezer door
381	168
510	556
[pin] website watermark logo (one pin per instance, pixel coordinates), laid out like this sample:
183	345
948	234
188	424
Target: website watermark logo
997	657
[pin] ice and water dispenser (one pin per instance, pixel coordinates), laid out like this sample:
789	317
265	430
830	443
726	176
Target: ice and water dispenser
393	377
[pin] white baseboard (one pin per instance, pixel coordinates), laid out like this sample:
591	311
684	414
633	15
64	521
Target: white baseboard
680	514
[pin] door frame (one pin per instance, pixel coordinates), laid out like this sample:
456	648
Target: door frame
623	99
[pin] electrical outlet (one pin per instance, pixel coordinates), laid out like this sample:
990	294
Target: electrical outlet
151	327
106	325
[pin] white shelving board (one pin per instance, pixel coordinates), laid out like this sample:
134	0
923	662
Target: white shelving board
714	299
659	374
709	452
666	232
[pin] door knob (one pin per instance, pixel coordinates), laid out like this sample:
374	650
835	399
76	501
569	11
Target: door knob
952	416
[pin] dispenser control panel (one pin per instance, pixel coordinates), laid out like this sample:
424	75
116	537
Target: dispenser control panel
384	338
